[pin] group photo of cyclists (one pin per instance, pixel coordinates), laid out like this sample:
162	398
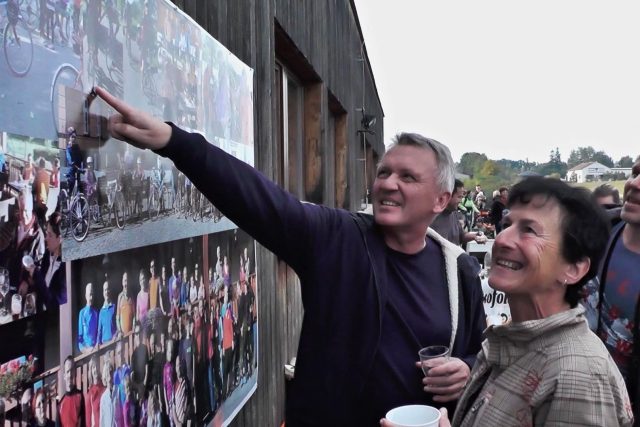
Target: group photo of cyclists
166	317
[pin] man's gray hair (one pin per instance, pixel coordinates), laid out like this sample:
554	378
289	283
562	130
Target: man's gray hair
446	169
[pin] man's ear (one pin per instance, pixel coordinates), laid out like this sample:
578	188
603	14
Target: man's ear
442	200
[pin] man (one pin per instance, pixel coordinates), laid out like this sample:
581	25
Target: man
447	223
107	317
375	290
498	207
609	198
88	323
126	308
71	406
612	301
154	285
73	156
40	191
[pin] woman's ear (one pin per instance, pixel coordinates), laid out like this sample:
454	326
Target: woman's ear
577	270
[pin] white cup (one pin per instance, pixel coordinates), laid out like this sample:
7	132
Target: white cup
414	416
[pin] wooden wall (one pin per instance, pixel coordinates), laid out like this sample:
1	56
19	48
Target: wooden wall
326	36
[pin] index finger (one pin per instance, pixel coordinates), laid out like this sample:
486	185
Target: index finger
119	105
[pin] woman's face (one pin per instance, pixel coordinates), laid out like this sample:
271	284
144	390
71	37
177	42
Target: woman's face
527	257
40	416
94	372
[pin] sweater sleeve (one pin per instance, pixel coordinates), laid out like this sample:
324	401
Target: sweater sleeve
580	398
474	308
284	225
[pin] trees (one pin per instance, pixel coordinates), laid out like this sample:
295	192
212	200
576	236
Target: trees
588	154
625	162
471	163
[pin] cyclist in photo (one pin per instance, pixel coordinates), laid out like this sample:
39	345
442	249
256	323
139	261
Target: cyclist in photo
91	182
13	14
74	159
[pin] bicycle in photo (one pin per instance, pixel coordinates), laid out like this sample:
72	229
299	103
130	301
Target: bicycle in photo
17	43
65	76
74	209
112	208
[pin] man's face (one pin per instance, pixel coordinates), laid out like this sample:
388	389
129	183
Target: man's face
152	268
605	200
504	196
405	193
173	265
88	294
125	282
69	375
141	281
105	291
456	197
631	197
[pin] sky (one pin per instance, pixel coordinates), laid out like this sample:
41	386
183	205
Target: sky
510	79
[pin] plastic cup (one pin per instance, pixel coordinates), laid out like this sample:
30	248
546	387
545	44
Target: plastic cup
432	352
414	416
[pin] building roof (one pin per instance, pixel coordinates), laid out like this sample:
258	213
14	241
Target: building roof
585	165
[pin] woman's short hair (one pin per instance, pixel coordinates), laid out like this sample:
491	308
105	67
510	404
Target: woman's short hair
584	227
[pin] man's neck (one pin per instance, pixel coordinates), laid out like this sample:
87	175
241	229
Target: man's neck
631	237
408	242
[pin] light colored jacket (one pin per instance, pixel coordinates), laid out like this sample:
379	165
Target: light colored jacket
547	372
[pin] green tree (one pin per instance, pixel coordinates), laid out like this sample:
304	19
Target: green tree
471	163
625	162
588	154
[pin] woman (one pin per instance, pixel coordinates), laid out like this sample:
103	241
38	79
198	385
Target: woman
547	367
94	395
107	401
40	419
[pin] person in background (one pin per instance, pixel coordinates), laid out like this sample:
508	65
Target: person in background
26	407
498	207
612	298
27	170
447	223
140	362
107	400
107	317
126	308
88	323
405	287
153	285
609	198
40	419
142	300
469	209
94	394
40	191
50	277
71	406
122	369
55	174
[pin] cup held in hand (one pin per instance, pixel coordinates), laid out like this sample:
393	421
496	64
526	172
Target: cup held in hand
429	354
414	416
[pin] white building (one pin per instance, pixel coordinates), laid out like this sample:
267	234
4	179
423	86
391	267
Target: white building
589	171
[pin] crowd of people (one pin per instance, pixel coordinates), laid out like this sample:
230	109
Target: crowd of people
33	272
193	342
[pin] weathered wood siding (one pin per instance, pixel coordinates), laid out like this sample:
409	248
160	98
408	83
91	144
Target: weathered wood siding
327	35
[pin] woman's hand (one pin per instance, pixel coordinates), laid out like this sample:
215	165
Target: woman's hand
446	381
135	126
444	420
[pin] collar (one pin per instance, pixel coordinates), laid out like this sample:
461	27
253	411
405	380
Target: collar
505	344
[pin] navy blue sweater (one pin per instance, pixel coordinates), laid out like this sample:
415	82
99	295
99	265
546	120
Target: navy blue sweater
340	259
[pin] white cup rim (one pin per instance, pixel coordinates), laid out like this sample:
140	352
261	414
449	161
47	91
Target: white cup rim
391	413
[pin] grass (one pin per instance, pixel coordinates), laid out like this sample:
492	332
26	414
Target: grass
591	185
